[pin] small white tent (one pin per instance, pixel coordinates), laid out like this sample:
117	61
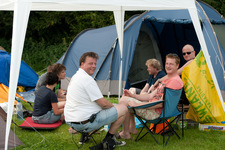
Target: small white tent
22	9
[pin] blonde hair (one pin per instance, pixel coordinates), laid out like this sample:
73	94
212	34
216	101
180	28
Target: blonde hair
174	56
154	63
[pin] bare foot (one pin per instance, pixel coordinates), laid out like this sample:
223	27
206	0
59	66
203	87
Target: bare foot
133	131
124	136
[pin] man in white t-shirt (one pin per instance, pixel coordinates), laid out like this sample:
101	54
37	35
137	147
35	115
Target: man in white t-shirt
86	109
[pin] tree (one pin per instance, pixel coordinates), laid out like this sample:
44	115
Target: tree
53	31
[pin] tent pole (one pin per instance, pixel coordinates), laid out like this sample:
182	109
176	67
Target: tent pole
217	43
119	19
196	23
110	70
112	49
20	20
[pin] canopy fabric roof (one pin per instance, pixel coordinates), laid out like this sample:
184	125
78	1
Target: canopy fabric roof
100	5
22	10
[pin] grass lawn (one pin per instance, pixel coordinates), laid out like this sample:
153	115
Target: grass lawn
61	139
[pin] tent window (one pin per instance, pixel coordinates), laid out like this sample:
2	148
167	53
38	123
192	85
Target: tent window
220	30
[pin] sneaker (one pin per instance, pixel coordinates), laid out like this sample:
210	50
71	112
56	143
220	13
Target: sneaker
119	143
84	138
108	143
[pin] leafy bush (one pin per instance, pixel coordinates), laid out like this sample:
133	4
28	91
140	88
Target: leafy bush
40	55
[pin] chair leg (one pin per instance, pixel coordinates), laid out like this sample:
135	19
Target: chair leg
167	140
173	130
89	136
78	147
139	135
182	115
145	126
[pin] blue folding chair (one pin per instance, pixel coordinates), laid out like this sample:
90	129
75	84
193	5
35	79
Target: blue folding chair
170	101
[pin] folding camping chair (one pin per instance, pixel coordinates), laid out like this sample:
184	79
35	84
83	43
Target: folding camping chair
170	102
87	137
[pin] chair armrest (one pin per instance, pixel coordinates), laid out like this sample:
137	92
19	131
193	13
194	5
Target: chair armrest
148	105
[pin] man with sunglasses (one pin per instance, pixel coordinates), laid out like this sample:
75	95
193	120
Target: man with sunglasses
188	54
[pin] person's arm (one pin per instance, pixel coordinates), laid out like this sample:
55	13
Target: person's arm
104	103
156	84
40	82
152	88
134	104
145	89
179	71
144	97
127	93
56	110
61	93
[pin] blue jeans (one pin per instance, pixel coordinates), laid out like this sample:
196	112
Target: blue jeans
104	117
47	118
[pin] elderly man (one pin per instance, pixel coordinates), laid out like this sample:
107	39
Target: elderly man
86	109
188	54
172	81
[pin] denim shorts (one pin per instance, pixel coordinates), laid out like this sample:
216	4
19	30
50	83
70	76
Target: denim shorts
47	118
104	117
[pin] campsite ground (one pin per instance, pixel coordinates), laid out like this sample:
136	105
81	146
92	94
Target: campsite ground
61	139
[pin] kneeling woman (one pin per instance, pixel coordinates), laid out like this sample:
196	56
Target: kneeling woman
46	107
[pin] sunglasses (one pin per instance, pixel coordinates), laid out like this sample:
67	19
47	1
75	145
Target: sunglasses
187	53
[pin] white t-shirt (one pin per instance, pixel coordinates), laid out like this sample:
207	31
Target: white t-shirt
80	99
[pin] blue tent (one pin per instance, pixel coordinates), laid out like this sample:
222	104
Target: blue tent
27	76
152	34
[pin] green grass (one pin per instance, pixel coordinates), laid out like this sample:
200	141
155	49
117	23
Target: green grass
61	139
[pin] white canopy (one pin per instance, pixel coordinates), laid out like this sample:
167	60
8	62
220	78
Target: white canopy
101	5
22	10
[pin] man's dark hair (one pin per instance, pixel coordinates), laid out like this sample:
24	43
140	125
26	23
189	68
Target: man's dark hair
57	68
51	78
87	54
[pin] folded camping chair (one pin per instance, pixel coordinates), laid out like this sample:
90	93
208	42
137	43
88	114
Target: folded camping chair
170	101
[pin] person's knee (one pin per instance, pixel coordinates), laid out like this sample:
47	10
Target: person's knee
132	90
124	101
121	101
61	104
121	110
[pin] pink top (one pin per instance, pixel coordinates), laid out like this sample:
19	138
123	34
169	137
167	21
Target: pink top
174	83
